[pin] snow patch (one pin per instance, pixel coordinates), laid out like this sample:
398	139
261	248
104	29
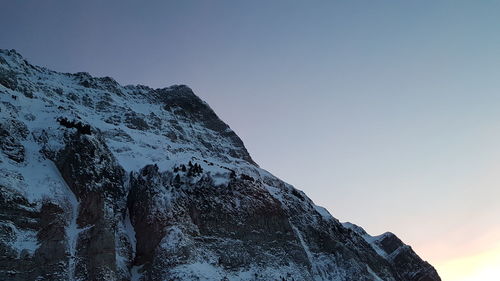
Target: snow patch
25	240
135	274
323	212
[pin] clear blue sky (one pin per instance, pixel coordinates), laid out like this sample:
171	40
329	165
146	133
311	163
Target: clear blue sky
385	112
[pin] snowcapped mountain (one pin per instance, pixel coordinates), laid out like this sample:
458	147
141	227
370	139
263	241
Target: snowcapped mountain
107	182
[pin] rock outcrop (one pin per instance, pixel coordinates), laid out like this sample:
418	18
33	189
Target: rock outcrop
107	182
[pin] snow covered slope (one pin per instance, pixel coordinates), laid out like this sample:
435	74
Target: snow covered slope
107	182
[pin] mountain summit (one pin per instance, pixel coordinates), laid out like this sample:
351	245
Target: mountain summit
107	182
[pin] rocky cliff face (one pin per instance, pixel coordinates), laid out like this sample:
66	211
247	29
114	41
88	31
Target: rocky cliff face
107	182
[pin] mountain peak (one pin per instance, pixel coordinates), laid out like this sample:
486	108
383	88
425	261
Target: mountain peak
106	182
11	53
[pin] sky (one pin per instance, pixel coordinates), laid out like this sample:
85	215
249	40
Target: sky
384	112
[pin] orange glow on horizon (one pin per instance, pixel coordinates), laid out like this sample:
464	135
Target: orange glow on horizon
484	266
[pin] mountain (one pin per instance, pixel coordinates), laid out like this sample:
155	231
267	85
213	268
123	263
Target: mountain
107	182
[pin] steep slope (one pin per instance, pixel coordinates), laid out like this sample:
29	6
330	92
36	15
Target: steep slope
108	182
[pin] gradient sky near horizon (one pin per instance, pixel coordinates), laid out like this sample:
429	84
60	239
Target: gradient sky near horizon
384	112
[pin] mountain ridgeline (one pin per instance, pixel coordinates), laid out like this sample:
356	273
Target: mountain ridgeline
107	182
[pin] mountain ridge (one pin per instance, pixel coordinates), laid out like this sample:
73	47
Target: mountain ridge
110	182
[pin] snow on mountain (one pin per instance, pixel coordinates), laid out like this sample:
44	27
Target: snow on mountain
108	182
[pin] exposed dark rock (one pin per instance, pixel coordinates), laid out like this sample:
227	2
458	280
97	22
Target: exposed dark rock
8	79
18	217
135	121
81	128
28	94
11	133
97	180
